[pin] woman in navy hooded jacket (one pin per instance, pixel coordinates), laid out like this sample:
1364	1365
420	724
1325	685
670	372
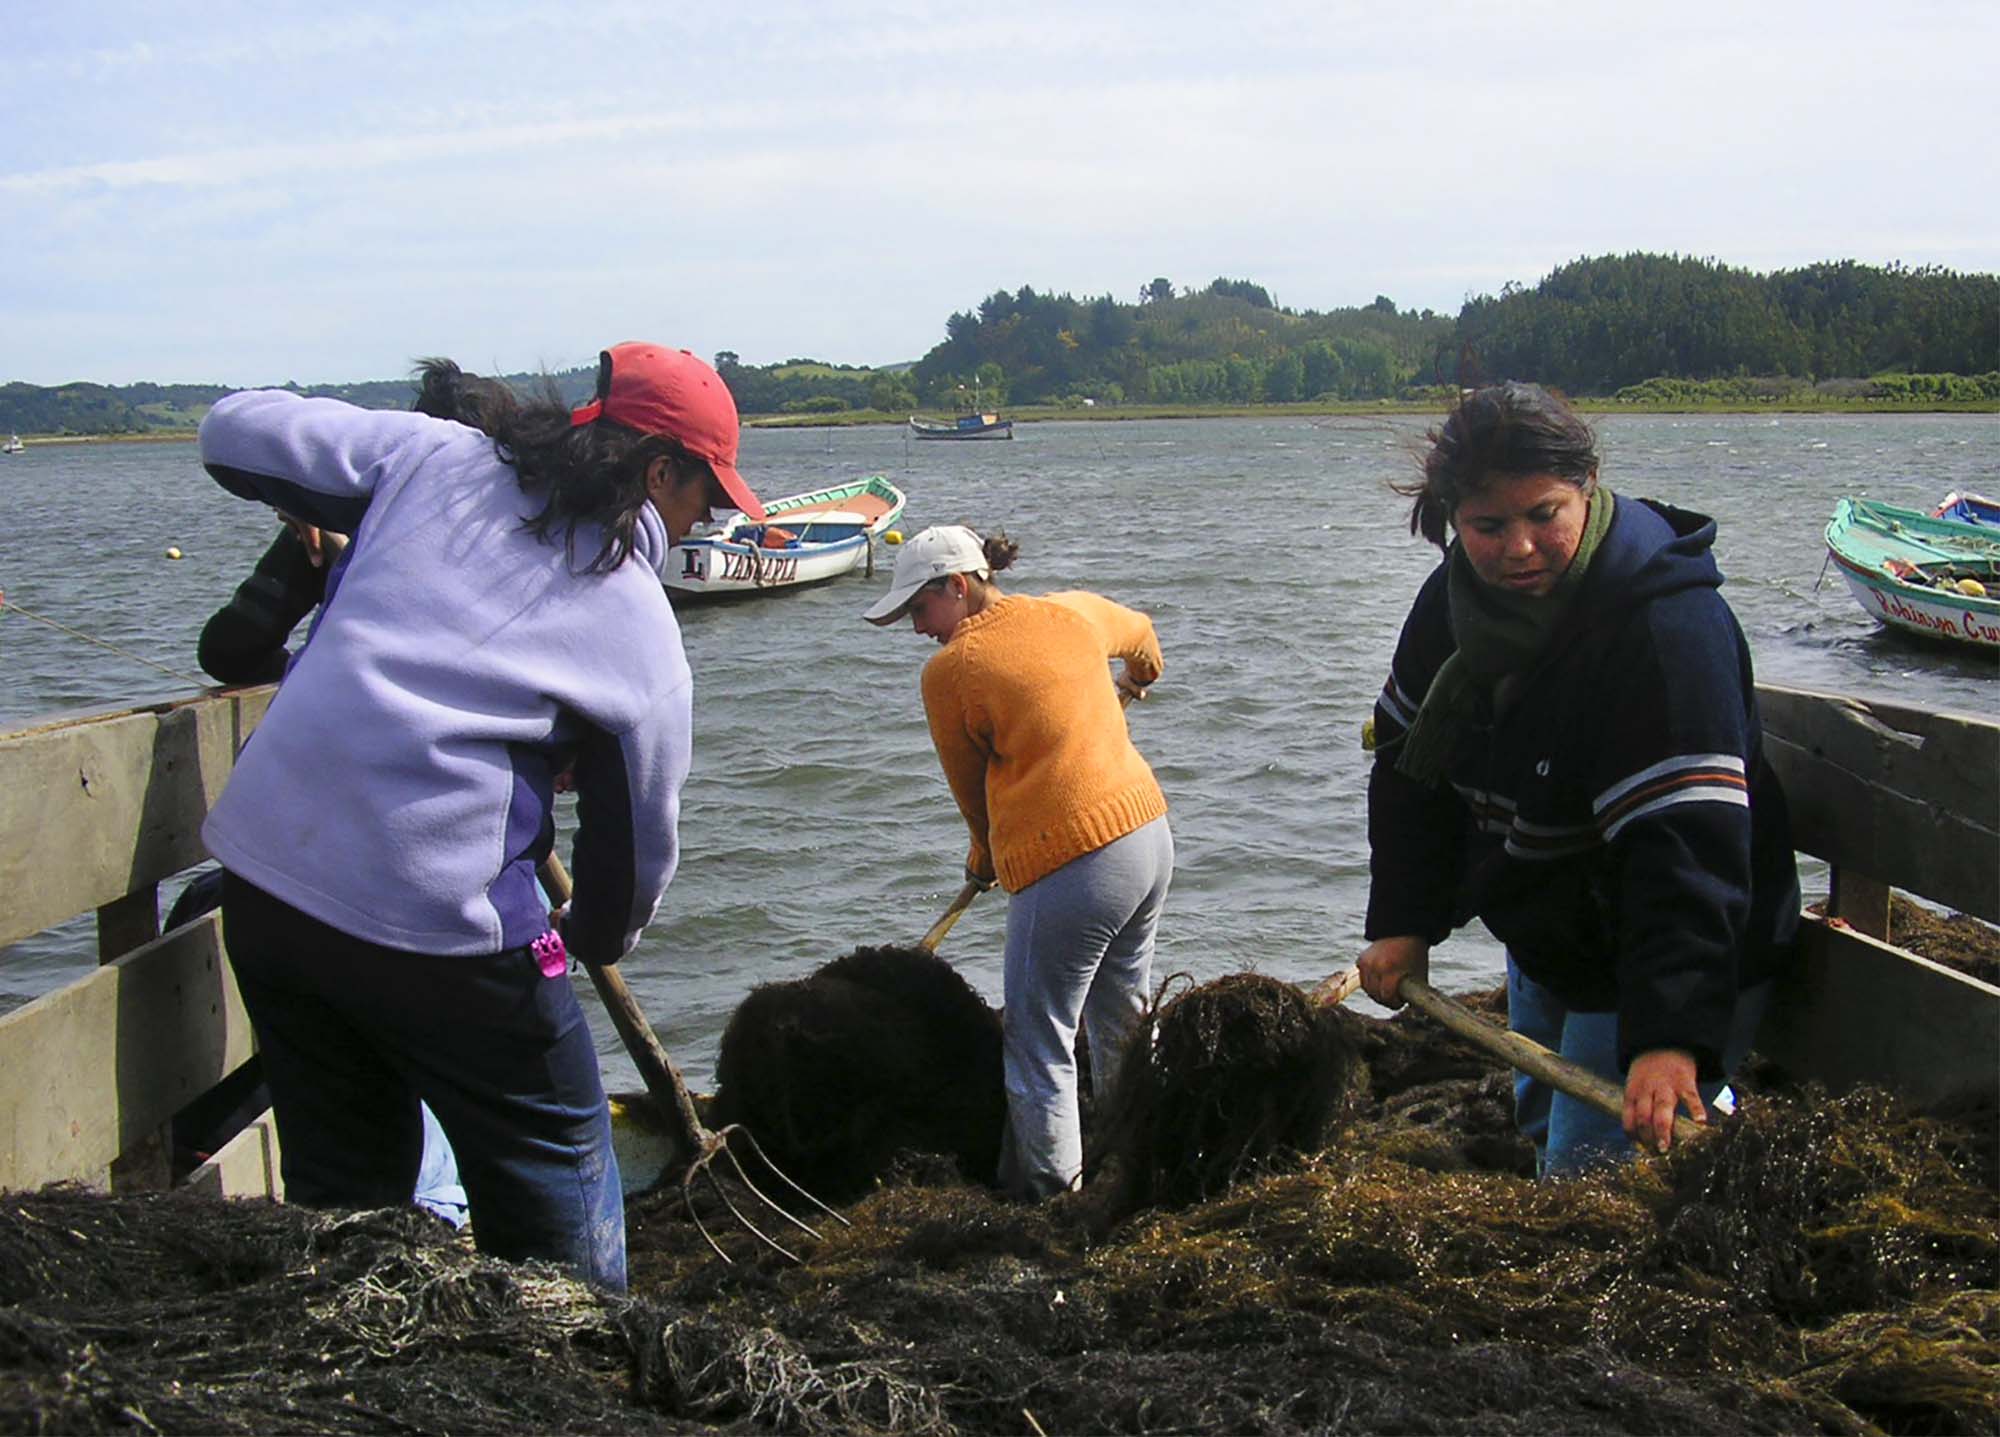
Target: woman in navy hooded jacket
1568	748
497	610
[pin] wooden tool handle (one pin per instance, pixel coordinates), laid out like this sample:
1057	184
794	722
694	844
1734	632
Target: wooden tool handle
1332	992
649	1055
929	942
1529	1056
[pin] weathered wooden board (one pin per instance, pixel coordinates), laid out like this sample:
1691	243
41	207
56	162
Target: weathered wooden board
1906	797
246	1166
95	809
1859	1010
94	1068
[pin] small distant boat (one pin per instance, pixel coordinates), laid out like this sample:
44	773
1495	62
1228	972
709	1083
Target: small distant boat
804	539
13	445
1920	574
1968	508
967	426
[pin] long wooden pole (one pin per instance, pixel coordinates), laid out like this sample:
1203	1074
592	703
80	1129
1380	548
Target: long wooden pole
1528	1056
663	1080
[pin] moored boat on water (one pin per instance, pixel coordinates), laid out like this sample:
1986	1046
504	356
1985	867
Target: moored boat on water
967	426
1968	508
1919	574
804	539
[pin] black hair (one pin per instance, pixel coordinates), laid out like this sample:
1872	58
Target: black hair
584	475
444	391
1503	430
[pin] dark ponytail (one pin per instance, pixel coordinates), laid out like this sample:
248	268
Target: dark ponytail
1001	551
444	391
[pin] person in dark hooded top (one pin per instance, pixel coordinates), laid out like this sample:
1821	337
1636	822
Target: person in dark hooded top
1568	748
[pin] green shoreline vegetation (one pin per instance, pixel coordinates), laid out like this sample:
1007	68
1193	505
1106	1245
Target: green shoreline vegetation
1310	409
1636	333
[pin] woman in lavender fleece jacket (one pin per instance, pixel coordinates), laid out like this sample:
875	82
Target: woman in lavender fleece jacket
499	604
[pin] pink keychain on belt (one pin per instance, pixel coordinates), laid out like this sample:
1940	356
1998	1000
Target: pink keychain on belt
551	954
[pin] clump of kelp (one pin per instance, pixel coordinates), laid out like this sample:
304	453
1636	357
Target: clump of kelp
1221	1080
879	1052
1813	1265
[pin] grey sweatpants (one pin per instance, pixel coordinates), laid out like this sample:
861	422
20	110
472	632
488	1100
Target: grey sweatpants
1079	947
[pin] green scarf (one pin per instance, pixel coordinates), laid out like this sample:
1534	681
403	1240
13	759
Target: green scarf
1500	636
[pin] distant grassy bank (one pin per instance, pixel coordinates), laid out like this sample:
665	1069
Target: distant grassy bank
150	436
1042	413
1031	414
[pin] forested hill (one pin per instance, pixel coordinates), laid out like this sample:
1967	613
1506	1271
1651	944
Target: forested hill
1592	328
1599	325
1640	327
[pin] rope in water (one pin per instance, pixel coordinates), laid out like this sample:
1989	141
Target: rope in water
9	606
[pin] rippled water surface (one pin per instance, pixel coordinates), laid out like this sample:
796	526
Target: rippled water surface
1270	553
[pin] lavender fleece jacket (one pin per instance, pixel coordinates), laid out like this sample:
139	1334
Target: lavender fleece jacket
400	788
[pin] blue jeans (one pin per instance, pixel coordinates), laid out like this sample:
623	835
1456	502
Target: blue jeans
1079	950
353	1035
438	1190
1570	1135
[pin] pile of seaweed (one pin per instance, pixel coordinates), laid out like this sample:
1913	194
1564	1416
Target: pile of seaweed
1957	940
880	1051
1379	1264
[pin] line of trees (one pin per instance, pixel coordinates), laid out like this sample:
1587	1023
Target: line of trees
1630	326
1598	325
146	408
1593	328
1225	343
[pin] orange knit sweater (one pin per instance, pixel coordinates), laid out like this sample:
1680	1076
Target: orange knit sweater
1029	729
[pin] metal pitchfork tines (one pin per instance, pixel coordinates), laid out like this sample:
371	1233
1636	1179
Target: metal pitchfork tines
692	1138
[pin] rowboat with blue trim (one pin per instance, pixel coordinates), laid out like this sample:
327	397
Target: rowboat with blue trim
803	539
1919	574
1966	507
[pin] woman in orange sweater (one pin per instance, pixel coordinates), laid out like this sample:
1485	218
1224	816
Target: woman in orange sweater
1064	814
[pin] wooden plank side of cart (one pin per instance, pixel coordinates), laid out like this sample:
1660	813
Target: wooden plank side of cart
1891	796
94	1070
96	810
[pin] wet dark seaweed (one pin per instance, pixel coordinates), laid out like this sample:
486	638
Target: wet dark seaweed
1814	1265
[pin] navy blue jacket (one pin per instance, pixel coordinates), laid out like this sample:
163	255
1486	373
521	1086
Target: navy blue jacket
1617	826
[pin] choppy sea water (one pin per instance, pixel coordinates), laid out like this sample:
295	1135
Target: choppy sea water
1271	553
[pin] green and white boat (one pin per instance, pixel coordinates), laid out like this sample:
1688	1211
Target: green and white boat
1920	574
804	539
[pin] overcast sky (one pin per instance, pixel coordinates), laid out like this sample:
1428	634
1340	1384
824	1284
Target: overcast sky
254	193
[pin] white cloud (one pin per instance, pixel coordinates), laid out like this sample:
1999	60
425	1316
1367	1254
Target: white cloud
785	178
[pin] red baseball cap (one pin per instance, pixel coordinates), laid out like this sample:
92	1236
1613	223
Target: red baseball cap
671	392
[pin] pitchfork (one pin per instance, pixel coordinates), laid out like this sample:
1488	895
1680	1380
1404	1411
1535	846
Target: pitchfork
663	1081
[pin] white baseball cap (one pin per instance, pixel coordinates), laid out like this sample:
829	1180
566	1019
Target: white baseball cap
940	550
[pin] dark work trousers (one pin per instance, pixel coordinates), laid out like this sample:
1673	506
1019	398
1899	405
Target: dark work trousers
353	1035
